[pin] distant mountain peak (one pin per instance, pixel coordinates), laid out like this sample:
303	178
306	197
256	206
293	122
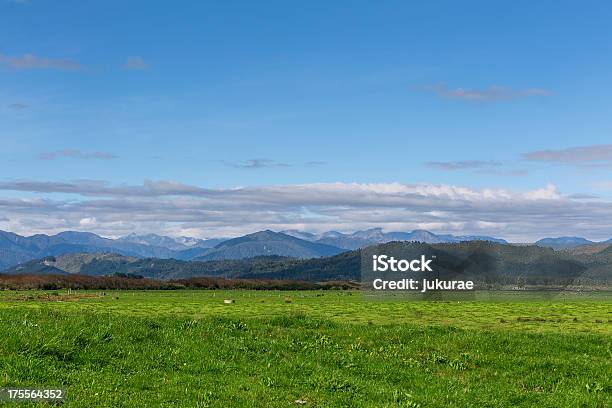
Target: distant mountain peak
172	243
266	243
308	236
332	234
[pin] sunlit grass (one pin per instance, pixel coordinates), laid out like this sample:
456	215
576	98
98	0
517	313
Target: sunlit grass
188	348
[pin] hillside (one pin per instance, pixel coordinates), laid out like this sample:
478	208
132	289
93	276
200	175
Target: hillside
83	263
590	249
484	262
481	261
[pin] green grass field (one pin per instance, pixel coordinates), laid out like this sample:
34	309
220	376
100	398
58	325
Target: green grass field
323	348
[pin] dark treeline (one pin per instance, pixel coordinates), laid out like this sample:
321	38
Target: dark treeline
81	282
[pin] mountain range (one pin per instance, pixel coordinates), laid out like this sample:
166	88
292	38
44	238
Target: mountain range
16	249
361	239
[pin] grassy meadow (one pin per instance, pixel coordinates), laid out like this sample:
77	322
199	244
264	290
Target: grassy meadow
186	348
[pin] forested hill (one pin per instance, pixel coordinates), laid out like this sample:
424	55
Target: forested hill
485	262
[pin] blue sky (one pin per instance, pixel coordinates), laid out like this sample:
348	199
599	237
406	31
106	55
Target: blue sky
504	96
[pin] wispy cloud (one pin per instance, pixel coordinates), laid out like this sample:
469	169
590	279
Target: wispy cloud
583	156
490	94
257	164
583	196
315	163
602	185
490	167
135	63
29	61
76	154
503	172
463	164
17	106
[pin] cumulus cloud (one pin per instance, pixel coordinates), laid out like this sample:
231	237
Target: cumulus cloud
584	156
175	208
135	63
490	94
76	154
29	61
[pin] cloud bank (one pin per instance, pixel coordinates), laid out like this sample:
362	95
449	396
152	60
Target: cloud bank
174	208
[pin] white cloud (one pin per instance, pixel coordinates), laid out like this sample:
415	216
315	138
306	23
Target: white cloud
88	222
548	193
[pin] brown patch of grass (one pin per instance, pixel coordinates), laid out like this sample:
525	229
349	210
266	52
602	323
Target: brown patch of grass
51	297
82	282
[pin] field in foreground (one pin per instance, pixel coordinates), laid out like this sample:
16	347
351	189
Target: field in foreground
332	348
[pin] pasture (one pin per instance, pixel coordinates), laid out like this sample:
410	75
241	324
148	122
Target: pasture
188	348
